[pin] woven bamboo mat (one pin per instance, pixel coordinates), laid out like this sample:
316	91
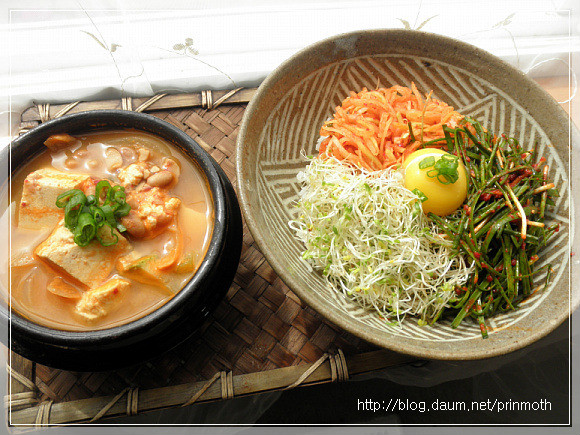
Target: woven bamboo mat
261	337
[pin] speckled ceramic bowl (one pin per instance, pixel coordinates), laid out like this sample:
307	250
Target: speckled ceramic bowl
285	116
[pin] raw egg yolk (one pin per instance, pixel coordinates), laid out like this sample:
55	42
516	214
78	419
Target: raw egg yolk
442	199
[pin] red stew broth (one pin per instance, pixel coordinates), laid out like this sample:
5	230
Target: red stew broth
28	290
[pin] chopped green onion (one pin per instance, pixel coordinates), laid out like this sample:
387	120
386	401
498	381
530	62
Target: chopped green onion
122	210
85	230
427	162
63	198
95	216
73	208
100	186
445	169
106	236
109	214
421	195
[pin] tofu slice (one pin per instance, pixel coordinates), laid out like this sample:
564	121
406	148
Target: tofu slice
41	188
100	301
91	265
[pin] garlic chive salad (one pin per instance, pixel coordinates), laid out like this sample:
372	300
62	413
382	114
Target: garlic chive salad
412	209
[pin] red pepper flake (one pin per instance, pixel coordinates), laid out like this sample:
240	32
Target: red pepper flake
489	278
468	306
467	159
499	268
536	165
514	261
486	197
477	255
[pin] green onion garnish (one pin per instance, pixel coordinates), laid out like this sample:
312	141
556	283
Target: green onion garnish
106	236
445	168
95	216
85	230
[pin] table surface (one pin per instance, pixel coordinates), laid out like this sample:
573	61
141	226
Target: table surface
538	372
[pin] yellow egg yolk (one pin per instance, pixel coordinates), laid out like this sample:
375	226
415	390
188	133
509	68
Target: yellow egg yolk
442	199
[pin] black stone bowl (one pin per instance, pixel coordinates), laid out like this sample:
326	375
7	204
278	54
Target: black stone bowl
173	322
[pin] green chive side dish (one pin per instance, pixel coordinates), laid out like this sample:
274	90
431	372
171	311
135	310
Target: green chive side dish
506	183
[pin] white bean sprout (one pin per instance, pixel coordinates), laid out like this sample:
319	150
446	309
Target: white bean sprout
370	239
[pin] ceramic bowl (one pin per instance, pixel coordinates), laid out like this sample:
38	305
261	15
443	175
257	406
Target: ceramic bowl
174	321
282	123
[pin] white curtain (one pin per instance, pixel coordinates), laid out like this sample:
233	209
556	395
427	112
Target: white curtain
88	49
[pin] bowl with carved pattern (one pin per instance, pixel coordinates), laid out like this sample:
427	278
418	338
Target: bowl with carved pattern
282	124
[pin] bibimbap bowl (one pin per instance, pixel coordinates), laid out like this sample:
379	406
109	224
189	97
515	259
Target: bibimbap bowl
282	125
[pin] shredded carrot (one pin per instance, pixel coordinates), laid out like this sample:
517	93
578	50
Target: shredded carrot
371	128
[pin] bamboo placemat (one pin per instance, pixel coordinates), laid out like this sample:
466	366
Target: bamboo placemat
260	338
